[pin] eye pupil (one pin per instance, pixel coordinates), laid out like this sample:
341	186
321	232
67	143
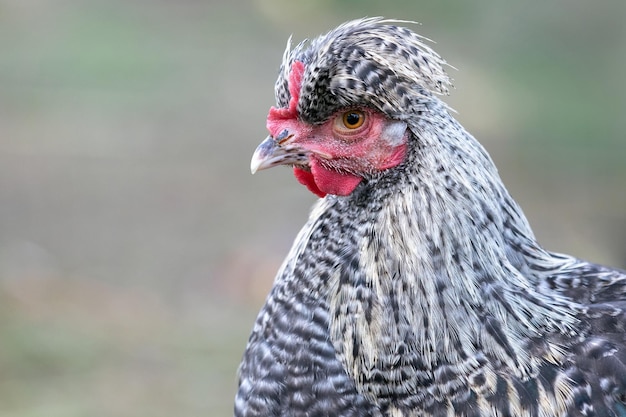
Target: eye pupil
353	119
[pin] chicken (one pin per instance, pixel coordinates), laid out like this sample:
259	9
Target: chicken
417	287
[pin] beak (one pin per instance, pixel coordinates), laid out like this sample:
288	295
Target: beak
277	151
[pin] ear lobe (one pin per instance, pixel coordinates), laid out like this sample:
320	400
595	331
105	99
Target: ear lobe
393	133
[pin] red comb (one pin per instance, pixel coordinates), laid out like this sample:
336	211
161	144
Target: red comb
295	83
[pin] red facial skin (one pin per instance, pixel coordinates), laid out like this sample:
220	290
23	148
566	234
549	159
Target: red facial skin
338	155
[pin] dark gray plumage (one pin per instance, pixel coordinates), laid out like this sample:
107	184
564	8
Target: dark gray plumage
417	287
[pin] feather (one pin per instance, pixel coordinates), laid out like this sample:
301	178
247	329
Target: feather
423	292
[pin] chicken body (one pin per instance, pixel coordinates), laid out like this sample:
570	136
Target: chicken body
417	287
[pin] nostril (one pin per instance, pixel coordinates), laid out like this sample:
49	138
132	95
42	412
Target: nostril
282	136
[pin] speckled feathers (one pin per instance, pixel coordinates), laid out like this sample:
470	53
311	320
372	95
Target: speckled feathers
369	62
423	292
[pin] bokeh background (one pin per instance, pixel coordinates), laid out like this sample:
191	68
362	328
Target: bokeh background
135	246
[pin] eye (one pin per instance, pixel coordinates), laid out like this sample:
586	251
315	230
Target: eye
351	124
353	119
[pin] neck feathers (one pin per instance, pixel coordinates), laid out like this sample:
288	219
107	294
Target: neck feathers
446	273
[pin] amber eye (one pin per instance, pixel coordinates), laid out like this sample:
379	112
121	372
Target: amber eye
353	119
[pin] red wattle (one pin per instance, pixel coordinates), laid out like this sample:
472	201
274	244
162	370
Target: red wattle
321	181
306	178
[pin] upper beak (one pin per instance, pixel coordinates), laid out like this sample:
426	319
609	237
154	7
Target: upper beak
277	151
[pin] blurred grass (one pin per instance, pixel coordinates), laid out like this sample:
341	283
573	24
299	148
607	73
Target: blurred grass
135	248
79	347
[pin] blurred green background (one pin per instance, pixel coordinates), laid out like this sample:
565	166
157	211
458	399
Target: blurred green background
136	248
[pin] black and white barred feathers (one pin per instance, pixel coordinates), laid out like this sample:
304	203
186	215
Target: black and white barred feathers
423	292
